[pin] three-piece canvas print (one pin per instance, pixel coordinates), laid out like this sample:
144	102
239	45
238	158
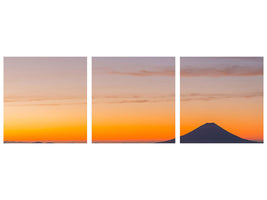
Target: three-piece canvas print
133	100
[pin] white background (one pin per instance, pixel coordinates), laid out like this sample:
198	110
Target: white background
132	28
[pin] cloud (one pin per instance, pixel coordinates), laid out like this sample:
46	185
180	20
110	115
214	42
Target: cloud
146	73
221	66
133	99
209	97
43	101
15	99
47	104
218	71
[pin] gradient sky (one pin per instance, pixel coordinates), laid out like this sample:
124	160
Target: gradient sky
45	99
133	99
226	91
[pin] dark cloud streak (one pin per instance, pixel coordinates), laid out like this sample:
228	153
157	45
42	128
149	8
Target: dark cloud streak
133	99
190	71
38	99
209	97
146	73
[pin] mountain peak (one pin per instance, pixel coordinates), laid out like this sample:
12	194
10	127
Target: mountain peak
211	133
210	124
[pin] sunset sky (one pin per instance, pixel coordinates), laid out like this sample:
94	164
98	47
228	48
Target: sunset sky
133	99
45	99
226	91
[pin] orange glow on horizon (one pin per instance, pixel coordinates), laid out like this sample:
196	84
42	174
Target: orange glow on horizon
133	100
45	100
245	123
225	91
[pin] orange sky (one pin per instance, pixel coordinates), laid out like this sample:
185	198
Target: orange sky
133	99
45	99
226	91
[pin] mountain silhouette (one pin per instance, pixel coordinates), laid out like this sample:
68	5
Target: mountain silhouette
168	141
212	133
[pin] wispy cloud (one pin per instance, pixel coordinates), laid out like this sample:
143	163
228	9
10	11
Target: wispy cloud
133	99
210	97
190	71
43	101
15	99
46	104
146	73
